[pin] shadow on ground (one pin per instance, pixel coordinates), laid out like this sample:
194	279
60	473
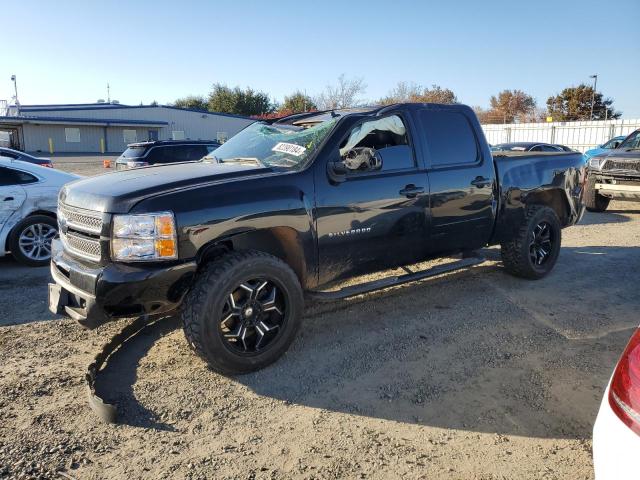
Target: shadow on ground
475	350
115	382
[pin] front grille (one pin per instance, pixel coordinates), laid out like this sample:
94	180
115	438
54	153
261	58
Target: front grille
83	220
83	246
80	232
624	166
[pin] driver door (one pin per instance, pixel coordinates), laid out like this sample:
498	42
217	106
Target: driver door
376	218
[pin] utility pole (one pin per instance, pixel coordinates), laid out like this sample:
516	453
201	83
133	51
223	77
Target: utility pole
108	94
593	93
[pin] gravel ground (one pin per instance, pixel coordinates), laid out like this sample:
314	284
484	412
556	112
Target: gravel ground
474	374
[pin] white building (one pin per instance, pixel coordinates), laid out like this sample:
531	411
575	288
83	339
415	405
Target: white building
108	127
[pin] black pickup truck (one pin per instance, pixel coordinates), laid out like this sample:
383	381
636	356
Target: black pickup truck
614	174
234	243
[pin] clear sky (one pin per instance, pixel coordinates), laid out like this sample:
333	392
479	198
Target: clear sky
67	51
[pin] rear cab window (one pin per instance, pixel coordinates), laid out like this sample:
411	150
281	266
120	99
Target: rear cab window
450	138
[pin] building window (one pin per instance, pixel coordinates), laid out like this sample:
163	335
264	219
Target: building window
72	135
177	134
221	137
129	136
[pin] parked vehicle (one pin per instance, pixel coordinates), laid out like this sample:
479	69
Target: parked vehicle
530	147
25	157
615	174
28	203
608	145
290	205
144	154
616	434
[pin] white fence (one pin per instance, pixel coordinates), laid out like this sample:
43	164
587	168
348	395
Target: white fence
577	135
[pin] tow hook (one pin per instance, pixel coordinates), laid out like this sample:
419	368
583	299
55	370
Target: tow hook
107	411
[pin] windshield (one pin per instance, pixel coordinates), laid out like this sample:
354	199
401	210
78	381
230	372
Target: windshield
276	145
133	152
632	141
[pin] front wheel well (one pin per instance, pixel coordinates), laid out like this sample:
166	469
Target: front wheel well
281	242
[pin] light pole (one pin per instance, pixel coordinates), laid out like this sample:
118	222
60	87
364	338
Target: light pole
15	88
593	92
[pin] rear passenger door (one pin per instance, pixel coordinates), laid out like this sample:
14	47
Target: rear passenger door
12	194
462	180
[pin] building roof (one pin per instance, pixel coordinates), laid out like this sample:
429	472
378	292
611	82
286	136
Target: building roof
106	122
116	106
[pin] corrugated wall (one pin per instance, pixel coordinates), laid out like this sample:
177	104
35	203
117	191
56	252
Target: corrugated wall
36	138
195	125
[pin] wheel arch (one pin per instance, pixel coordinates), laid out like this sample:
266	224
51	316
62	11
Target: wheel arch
553	198
282	242
9	231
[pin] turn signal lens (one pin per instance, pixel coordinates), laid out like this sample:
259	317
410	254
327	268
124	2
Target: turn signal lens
166	248
624	392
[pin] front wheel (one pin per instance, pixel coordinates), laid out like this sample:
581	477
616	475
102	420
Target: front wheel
534	251
243	312
592	199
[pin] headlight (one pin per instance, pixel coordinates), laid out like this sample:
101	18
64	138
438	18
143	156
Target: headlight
150	236
596	162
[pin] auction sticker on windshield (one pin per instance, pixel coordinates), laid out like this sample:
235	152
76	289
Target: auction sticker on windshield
290	148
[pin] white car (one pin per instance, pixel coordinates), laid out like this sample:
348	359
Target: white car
28	205
616	434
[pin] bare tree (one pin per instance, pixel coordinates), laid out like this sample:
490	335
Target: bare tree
346	93
414	93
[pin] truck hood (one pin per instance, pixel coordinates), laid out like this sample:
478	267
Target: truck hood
118	192
616	154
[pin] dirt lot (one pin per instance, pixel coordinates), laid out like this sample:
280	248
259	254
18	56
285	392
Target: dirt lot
471	375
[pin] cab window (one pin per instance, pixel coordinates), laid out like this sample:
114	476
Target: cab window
380	144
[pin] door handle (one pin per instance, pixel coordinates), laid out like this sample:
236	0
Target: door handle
411	191
481	182
8	199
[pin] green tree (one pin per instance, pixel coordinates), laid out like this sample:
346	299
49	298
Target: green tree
297	102
237	101
574	103
511	105
414	93
193	102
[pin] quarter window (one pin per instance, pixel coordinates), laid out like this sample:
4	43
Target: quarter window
9	176
450	138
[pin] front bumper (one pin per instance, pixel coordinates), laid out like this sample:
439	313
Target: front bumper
626	187
94	294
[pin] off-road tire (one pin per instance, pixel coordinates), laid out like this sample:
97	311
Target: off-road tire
516	256
14	239
592	199
202	308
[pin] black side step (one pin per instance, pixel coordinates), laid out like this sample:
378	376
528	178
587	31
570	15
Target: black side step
326	296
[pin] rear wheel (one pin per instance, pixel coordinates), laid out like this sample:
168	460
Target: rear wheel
592	199
30	240
534	251
243	312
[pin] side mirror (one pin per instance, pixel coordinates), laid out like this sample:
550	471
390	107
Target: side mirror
337	171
